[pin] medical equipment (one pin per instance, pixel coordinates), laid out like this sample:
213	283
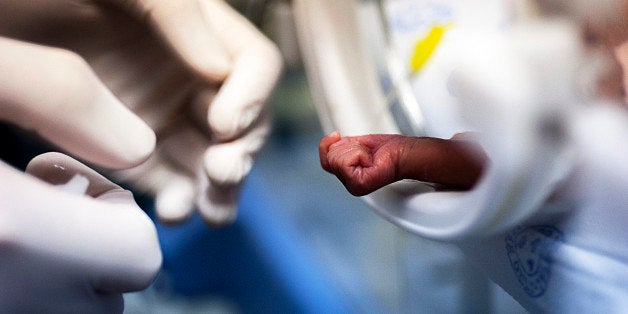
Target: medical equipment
435	68
541	222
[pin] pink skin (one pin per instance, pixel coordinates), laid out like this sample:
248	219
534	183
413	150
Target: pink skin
366	163
611	35
621	53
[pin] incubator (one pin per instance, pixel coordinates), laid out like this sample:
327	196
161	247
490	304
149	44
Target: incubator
544	220
437	68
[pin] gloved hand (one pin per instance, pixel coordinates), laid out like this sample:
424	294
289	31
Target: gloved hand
195	70
66	253
61	252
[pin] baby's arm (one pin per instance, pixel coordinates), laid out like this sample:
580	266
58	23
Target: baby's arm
366	163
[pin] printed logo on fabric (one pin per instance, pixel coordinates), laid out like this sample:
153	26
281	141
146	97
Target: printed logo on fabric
530	251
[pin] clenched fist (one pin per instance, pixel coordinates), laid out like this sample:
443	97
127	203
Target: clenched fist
366	163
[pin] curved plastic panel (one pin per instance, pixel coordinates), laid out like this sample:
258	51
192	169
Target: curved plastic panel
451	66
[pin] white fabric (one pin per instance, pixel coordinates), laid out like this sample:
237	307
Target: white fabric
579	262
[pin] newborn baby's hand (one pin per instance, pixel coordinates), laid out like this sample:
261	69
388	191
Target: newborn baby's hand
366	163
363	163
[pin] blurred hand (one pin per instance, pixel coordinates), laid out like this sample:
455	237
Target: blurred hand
366	163
194	70
65	252
61	252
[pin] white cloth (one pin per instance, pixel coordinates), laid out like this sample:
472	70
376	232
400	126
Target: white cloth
577	261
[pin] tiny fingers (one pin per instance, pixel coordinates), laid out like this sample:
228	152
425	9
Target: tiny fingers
323	148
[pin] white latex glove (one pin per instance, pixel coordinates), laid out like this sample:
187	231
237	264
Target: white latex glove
66	253
195	70
61	252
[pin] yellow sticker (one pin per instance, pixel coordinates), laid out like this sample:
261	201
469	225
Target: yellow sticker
426	46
